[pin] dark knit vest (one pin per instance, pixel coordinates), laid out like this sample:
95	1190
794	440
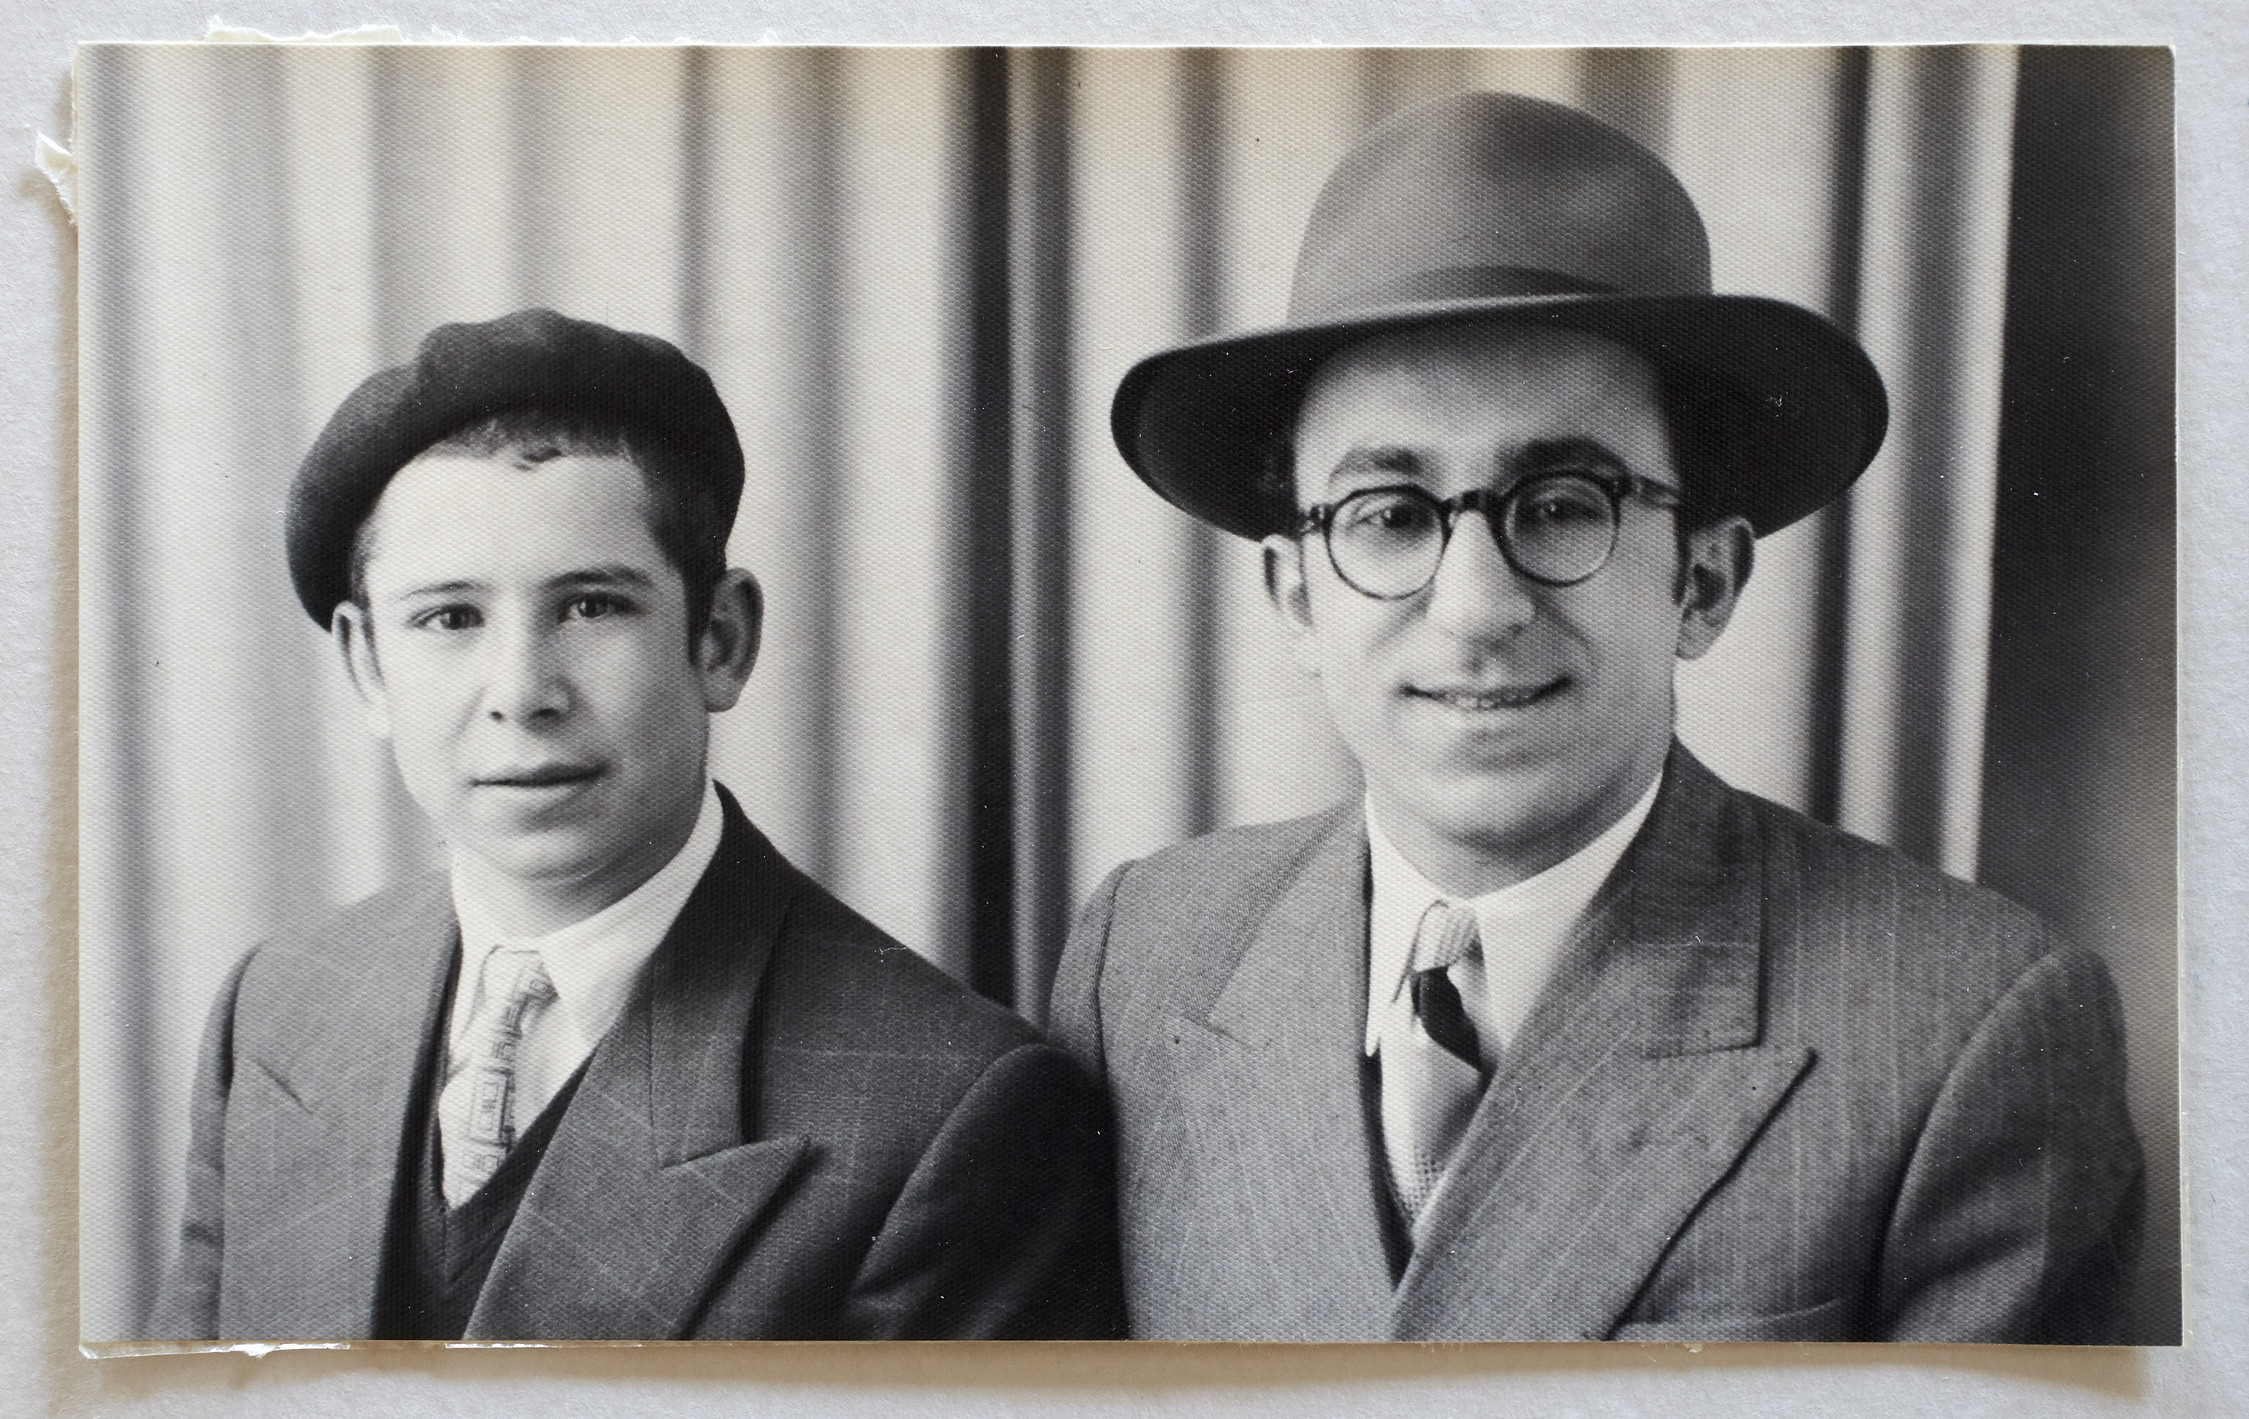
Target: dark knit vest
437	1256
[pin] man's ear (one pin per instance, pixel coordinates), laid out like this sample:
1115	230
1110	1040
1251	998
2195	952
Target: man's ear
727	650
354	634
1285	587
1718	561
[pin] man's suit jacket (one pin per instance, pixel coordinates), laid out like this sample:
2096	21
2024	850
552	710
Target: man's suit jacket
1785	1085
797	1129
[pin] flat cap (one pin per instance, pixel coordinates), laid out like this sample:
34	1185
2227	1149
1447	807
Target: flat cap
465	374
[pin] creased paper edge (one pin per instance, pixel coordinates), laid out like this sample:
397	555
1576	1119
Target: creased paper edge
56	163
218	31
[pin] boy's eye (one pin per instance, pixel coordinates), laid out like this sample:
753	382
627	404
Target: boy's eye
449	618
590	608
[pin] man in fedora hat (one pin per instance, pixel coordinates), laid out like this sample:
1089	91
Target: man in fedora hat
1554	1035
623	1073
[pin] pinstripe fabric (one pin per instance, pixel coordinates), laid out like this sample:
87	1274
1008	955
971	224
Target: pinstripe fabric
798	1128
1784	1085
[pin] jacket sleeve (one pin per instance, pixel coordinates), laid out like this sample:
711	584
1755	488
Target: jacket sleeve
187	1304
1007	1227
2020	1213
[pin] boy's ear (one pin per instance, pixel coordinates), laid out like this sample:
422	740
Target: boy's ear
353	631
727	650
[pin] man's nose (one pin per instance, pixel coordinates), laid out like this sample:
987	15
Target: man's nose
526	681
1476	594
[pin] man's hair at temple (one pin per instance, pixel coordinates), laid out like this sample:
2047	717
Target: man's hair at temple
683	512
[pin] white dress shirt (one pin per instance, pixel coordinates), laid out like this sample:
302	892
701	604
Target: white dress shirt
592	963
1521	929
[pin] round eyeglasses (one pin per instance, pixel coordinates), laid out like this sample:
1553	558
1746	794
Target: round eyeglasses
1557	529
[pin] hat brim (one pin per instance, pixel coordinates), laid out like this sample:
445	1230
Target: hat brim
1197	423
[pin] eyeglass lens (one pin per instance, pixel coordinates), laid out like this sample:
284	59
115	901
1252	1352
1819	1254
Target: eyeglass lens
1388	542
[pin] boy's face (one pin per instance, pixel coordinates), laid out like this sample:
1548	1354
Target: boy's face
524	648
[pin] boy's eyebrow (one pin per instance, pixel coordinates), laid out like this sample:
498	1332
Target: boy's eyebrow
442	588
611	575
617	574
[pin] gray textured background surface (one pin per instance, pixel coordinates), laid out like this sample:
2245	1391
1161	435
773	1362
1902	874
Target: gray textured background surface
37	822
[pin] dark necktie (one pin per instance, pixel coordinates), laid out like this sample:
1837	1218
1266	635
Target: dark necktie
1432	1072
1436	1002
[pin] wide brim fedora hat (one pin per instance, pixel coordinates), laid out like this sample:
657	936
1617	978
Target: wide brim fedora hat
1481	208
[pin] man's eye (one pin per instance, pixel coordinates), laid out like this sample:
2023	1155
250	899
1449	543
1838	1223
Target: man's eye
1562	504
449	618
1392	515
590	608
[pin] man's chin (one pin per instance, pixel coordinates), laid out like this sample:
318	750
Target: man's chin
1521	807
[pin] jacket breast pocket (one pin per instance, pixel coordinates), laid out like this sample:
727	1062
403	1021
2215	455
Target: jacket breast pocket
1829	1320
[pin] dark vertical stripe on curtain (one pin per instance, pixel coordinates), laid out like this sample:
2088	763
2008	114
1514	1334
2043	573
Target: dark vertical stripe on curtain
1040	121
815	221
2080	794
1202	233
986	550
695	204
1943	95
1846	235
113	73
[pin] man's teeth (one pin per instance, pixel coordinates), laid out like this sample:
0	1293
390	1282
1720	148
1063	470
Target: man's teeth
1496	699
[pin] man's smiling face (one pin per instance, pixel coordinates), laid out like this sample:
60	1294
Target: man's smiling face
1501	724
526	653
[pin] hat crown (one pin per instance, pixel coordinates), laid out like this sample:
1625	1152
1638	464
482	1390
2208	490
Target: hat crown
1484	195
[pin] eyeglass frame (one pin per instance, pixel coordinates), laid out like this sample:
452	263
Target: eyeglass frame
1617	483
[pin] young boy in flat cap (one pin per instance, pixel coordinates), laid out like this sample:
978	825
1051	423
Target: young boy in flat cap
1554	1035
624	1073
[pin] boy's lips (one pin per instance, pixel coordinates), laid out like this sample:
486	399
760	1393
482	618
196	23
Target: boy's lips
539	776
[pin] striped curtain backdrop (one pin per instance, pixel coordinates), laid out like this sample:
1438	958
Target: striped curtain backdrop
995	664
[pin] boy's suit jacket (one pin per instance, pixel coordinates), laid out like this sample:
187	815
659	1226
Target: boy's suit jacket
1785	1085
797	1129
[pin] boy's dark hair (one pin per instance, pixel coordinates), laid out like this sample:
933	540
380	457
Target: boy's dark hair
683	515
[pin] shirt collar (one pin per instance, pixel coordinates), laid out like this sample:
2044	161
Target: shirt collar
1522	927
594	962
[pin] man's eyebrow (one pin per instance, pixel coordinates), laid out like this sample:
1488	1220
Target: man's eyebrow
1377	458
1563	453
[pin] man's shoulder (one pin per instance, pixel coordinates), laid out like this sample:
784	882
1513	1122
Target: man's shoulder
836	971
1837	874
1251	862
1846	918
1187	912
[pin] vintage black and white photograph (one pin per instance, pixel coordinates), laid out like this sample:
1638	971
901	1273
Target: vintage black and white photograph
768	693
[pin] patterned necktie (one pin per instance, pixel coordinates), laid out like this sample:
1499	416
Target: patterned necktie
476	1112
1432	1073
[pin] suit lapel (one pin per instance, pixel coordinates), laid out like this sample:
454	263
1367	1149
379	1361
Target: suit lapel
1272	1091
334	1112
648	1186
1634	1088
